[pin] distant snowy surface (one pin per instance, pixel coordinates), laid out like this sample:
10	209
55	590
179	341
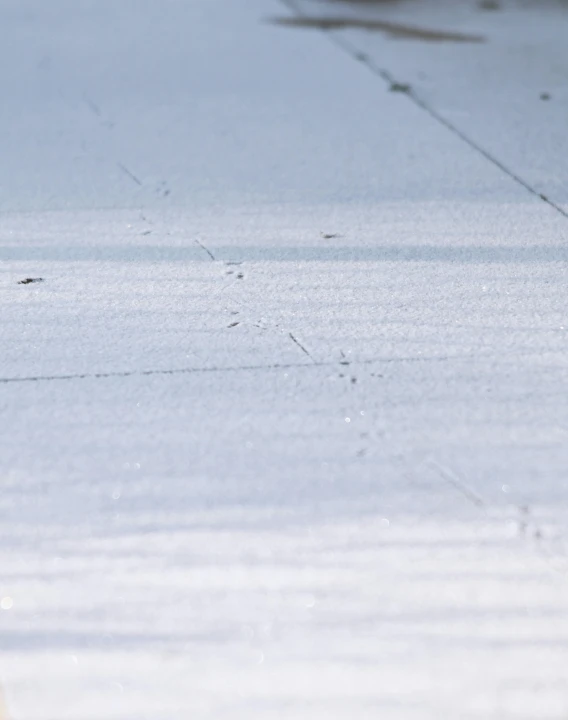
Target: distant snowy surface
284	425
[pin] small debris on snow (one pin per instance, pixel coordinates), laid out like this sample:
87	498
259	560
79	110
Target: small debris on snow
400	87
27	281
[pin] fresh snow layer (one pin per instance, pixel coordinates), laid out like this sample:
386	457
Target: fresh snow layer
284	426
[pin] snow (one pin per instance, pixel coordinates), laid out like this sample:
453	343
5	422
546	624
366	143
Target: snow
283	428
507	95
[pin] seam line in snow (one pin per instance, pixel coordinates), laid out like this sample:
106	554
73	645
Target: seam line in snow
299	344
450	477
235	368
206	249
130	174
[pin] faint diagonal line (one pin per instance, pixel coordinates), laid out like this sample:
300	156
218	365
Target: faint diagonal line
130	174
453	479
299	344
206	249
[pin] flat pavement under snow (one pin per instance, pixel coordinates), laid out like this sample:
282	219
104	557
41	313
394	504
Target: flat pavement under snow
284	425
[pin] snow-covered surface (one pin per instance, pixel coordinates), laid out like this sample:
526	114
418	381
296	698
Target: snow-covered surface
284	428
506	92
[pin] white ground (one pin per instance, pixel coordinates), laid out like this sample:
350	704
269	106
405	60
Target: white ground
253	472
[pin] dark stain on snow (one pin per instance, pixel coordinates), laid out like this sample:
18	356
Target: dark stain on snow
396	30
28	281
400	87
